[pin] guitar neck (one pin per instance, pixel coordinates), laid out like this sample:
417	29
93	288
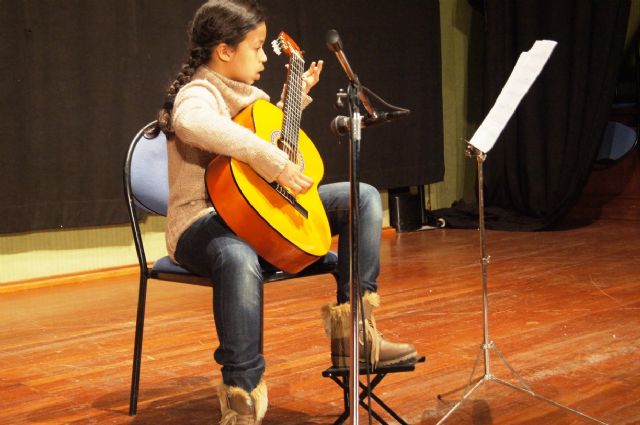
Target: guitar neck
293	106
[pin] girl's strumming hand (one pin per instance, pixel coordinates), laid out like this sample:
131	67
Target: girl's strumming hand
293	179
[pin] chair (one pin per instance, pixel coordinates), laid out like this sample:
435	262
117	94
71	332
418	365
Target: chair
617	142
146	186
620	137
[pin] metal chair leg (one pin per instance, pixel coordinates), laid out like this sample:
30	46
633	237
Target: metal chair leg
137	348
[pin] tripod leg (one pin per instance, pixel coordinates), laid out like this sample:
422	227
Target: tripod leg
506	363
555	403
462	400
526	389
469	382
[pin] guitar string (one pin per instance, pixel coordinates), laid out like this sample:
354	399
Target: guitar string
292	106
300	68
288	107
292	109
298	65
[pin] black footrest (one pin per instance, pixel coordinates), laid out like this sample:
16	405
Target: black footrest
406	366
340	376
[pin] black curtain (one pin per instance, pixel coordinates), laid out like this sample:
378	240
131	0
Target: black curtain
394	47
537	169
80	77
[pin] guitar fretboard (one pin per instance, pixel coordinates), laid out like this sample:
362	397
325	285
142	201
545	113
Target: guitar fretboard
292	107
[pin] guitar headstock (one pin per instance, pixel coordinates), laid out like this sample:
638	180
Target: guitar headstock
285	44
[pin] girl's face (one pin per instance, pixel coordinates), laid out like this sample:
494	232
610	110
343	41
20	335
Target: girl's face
246	61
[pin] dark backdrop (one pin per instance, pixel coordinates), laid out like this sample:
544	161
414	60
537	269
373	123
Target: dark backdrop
540	164
79	78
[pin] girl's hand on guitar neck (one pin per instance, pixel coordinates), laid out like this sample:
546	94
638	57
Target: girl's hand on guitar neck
294	180
309	79
311	76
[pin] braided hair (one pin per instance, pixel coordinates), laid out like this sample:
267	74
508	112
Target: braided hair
215	22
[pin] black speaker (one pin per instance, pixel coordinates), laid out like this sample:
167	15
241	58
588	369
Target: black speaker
405	210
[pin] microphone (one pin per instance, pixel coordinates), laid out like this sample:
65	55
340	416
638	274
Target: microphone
334	44
341	124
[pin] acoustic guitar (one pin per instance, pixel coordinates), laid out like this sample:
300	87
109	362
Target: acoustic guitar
289	231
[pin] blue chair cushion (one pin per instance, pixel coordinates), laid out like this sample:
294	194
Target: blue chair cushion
166	265
325	264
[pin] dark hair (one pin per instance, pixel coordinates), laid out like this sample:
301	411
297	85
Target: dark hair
215	22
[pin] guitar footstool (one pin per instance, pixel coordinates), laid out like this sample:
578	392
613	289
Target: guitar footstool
340	375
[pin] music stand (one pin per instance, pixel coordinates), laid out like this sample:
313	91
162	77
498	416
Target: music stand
525	72
488	344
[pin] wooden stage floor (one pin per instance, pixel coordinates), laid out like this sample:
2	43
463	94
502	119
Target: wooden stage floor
564	311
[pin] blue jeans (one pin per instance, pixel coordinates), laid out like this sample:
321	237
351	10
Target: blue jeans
209	248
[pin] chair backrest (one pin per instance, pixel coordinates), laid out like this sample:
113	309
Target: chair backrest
148	176
146	183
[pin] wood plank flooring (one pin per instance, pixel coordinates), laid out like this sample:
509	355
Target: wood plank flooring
564	311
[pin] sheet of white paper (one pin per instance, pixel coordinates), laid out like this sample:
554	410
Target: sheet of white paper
525	72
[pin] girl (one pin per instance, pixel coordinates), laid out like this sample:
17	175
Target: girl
226	57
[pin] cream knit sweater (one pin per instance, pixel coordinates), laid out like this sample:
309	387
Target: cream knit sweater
203	128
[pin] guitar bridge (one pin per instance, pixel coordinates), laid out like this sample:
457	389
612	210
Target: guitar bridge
288	196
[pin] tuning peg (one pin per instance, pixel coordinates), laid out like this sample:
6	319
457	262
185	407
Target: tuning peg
276	47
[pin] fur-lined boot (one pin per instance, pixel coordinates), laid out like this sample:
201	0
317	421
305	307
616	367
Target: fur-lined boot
381	352
242	408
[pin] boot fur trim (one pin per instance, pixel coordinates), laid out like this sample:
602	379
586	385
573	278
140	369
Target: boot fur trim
257	398
372	298
260	400
337	319
337	326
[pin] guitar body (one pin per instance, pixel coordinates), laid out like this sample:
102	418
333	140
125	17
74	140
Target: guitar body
258	213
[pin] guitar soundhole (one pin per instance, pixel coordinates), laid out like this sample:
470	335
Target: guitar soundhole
278	140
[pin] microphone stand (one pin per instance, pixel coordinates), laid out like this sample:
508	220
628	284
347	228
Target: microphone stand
354	94
355	120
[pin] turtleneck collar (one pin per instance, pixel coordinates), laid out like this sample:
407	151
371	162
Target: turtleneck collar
237	95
